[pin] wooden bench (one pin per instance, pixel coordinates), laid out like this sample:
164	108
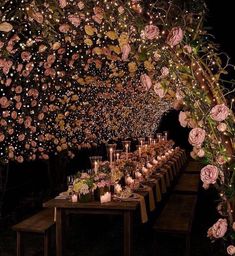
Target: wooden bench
40	223
188	183
177	217
193	167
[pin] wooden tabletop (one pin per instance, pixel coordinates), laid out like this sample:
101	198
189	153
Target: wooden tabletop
113	205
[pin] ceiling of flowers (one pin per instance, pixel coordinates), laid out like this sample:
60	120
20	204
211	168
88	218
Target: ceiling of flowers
76	73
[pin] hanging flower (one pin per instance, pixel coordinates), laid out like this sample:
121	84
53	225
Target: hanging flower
209	174
183	118
175	36
197	136
222	127
63	3
74	19
218	230
146	81
150	32
164	72
126	48
231	250
219	112
159	90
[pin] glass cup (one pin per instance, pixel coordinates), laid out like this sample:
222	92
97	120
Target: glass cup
95	161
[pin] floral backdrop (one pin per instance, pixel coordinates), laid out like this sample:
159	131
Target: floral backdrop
77	73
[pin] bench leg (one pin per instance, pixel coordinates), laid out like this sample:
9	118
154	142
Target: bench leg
19	248
187	245
46	244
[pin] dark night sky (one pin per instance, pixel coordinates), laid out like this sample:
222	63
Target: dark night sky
221	17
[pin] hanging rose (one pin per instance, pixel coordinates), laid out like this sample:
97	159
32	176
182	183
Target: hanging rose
74	19
218	230
197	136
183	118
209	174
146	81
231	250
63	3
126	49
159	90
222	127
175	36
164	72
38	17
150	32
219	113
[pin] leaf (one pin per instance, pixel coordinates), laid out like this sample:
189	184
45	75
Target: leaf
112	35
6	27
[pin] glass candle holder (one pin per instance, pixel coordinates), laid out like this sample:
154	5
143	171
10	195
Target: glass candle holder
126	146
165	134
111	148
95	162
118	154
159	137
141	141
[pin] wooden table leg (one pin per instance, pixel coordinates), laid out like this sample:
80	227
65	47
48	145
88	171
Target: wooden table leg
59	232
46	243
128	235
20	249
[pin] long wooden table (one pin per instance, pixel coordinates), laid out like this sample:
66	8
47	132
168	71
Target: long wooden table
64	207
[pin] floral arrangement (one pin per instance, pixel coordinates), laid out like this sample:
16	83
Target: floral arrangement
84	184
77	73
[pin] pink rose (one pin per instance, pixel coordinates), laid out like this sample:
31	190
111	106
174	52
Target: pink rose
98	11
175	36
219	113
50	59
80	5
10	131
197	136
187	49
156	56
40	116
20	159
63	3
146	81
4	102
38	17
222	127
25	56
14	114
74	19
121	9
19	105
2	137
183	118
164	72
64	28
21	137
220	160
231	250
151	32
126	48
18	89
201	153
159	90
218	230
3	122
209	174
8	82
19	68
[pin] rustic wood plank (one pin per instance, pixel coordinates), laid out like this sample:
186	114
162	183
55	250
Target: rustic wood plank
113	205
177	215
38	223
